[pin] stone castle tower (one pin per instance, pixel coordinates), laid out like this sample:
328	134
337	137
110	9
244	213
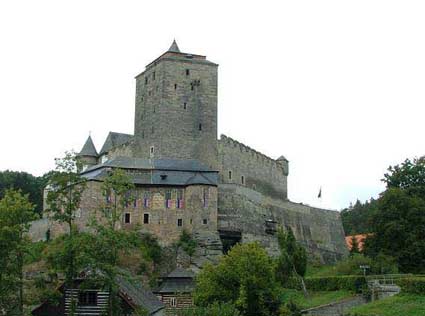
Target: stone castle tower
176	108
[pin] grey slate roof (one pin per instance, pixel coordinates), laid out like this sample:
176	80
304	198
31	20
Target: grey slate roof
178	281
174	47
88	149
157	171
139	296
114	140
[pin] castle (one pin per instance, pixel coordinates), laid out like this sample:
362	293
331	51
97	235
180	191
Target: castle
219	190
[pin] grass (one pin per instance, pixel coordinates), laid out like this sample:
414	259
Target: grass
316	298
321	271
399	305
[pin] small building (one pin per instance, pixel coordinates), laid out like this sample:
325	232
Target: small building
94	301
176	290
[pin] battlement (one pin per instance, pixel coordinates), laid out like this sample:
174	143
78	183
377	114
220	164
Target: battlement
243	165
252	153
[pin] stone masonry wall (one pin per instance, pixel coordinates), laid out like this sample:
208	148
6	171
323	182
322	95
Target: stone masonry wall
259	172
241	209
162	220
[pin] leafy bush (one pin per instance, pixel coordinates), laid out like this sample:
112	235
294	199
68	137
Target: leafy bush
215	309
35	252
347	282
187	243
351	265
414	285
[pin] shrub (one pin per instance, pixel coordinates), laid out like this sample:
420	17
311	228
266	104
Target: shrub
348	282
215	309
414	285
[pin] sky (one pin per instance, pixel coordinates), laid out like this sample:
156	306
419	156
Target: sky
337	87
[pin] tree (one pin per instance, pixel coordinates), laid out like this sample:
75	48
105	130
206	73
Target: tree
108	240
357	218
244	277
27	183
65	189
398	225
354	246
187	243
293	258
16	214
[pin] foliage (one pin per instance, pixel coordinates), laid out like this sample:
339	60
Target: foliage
34	252
316	298
351	265
27	183
289	309
150	248
353	283
187	243
414	285
293	257
243	277
398	230
357	218
65	189
398	305
215	309
16	213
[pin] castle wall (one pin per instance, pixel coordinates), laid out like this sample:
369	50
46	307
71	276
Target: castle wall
163	221
259	172
241	209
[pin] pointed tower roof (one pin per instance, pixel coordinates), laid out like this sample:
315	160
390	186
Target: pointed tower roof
174	47
88	149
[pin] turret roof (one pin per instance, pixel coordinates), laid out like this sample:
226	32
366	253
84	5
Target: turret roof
88	149
174	47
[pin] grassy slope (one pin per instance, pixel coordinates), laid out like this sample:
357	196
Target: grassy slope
316	298
400	305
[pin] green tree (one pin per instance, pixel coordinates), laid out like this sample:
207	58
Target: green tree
16	214
108	239
243	277
357	218
27	183
65	189
187	243
292	260
215	309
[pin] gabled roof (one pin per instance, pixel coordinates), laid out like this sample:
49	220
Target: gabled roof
178	281
114	140
137	296
88	149
174	47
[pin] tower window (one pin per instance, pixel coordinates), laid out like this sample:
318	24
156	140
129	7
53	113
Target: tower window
205	196
185	105
175	86
168	199
152	130
146	80
230	175
179	201
152	151
127	218
205	221
180	222
192	87
242	179
187	72
145	218
200	127
153	75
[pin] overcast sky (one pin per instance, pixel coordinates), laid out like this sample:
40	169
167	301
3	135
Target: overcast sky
337	87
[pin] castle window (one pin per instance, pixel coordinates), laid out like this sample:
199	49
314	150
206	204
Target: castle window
242	179
179	201
87	298
187	72
175	86
127	218
180	222
168	199
200	127
135	199
192	87
143	134
152	130
205	221
145	218
153	75
146	80
185	105
152	151
146	200
205	196
230	175
154	108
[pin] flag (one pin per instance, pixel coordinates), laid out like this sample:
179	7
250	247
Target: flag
319	196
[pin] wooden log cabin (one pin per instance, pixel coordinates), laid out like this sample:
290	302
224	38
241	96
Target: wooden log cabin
175	290
83	300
